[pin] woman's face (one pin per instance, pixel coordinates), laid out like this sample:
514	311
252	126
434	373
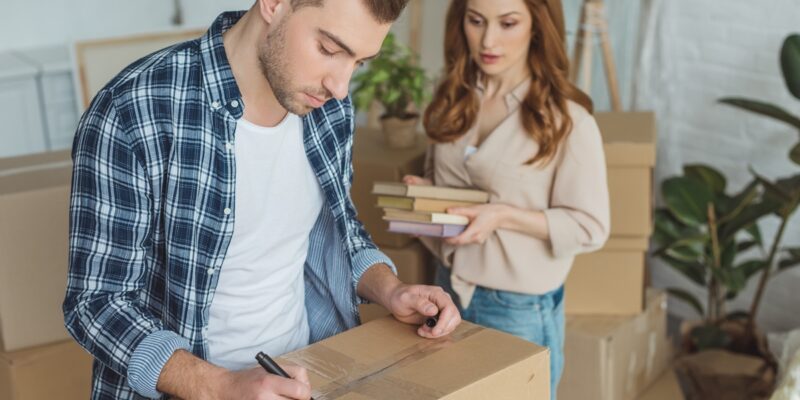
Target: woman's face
498	34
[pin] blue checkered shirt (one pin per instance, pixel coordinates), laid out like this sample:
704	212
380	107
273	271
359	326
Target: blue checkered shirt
151	214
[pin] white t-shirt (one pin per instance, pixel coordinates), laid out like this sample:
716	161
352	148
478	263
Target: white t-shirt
259	304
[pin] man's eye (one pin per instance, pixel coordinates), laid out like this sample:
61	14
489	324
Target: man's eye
325	51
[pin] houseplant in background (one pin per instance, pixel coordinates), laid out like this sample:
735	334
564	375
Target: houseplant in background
395	81
713	239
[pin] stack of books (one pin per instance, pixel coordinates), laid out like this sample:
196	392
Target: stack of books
422	210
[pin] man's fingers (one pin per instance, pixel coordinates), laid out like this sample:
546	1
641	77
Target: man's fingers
291	388
298	373
425	306
449	317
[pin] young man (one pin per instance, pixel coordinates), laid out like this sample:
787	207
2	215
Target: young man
210	212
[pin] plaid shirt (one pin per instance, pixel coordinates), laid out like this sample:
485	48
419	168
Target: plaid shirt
151	214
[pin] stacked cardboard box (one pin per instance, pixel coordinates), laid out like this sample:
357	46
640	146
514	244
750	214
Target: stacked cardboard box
34	199
616	357
629	142
616	343
373	162
386	359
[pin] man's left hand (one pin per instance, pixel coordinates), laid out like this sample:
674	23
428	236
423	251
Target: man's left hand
414	304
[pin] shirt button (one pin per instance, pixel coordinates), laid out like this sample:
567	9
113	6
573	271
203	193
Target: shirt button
235	104
210	271
215	105
227	211
229	146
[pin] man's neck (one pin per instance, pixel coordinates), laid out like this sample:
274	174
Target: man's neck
241	43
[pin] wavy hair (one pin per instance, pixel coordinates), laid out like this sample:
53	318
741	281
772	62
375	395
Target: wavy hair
455	105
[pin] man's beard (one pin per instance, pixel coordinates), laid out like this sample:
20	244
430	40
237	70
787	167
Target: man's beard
274	65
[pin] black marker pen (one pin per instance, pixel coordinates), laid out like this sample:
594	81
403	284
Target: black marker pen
271	366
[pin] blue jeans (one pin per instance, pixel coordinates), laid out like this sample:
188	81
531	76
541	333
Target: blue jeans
535	318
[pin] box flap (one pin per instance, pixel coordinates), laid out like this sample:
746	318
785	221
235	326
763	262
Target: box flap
629	138
623	243
387	359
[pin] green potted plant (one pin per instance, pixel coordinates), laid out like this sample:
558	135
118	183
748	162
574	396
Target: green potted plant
395	81
705	233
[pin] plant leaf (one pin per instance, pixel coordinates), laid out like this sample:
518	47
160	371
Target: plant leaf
755	232
734	205
687	199
764	109
688	298
706	175
751	267
707	337
794	155
792	260
790	63
692	270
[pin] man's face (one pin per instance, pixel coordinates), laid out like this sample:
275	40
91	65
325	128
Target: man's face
311	53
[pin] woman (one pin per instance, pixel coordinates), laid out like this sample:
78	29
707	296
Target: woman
506	120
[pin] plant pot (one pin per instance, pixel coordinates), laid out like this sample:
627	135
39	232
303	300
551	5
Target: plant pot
721	374
400	133
744	370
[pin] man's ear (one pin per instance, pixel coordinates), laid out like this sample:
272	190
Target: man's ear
270	10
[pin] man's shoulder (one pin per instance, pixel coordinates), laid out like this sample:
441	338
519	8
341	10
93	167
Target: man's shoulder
157	73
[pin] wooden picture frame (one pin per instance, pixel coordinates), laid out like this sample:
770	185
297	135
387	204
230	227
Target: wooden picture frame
97	61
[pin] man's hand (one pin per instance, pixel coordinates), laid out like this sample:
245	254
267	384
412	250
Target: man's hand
412	304
255	383
188	377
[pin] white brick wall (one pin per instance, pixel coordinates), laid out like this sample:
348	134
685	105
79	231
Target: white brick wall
699	51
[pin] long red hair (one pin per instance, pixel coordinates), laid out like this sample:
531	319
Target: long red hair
455	105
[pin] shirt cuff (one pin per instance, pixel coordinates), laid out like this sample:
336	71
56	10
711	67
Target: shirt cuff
362	261
149	359
562	241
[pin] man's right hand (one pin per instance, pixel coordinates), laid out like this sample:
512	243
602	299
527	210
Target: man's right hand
257	384
187	377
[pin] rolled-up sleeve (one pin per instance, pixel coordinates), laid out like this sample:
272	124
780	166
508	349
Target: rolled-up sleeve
110	231
363	251
579	218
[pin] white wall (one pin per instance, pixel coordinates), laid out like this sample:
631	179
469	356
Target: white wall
699	51
25	23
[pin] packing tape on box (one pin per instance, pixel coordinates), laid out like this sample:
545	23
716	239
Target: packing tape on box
371	380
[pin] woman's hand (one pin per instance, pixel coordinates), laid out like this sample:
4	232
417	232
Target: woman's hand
416	180
484	219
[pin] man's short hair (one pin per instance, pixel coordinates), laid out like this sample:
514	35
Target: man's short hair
385	11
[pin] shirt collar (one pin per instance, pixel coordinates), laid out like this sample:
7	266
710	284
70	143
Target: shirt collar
513	98
219	84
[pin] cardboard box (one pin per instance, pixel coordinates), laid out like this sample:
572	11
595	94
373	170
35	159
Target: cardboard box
413	266
610	281
386	359
374	161
34	210
630	146
57	371
666	387
616	358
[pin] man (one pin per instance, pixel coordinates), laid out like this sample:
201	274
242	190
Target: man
210	210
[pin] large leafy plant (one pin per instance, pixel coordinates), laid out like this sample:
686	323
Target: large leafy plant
709	235
393	79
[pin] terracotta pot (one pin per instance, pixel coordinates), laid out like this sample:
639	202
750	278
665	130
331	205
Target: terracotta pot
400	133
